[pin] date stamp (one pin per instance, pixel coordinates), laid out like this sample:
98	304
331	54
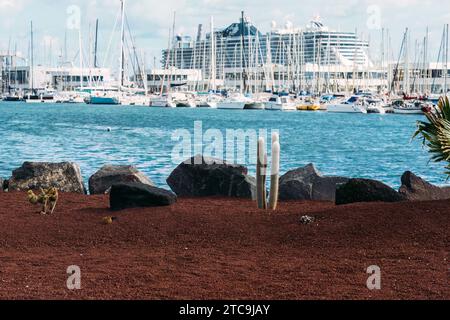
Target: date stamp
247	310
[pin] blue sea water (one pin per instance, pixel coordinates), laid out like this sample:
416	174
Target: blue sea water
354	145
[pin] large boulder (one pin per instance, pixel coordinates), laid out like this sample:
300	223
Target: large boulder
65	176
364	190
202	177
139	195
307	183
415	188
1	185
5	185
108	175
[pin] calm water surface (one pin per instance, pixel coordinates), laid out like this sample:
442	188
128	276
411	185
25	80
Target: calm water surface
368	146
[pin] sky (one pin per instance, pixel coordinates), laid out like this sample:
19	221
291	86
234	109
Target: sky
150	20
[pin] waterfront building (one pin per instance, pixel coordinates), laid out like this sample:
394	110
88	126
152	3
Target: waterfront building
59	78
428	78
181	79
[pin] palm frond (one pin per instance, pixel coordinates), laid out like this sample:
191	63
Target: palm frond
436	132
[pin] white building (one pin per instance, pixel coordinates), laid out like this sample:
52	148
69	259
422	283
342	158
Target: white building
61	78
423	78
183	79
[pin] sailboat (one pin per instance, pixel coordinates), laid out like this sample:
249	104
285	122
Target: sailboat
235	101
32	97
355	104
238	101
109	96
281	103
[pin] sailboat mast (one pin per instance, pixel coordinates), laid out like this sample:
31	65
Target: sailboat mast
122	44
213	56
244	72
446	62
406	86
32	59
96	44
80	44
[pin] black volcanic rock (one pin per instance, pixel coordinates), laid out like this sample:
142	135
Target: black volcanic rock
139	195
307	183
202	177
415	188
65	176
108	175
365	190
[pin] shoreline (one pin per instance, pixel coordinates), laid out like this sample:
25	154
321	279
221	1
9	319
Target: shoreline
218	248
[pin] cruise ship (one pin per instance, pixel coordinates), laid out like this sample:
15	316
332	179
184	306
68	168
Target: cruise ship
313	58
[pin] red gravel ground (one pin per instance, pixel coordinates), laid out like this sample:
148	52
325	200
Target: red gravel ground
223	249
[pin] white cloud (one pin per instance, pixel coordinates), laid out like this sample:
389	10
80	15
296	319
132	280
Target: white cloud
11	6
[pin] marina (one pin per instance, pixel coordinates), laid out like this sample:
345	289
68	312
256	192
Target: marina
239	67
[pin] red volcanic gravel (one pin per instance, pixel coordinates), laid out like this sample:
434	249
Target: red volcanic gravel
223	249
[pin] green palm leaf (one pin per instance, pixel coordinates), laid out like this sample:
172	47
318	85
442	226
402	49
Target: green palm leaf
436	132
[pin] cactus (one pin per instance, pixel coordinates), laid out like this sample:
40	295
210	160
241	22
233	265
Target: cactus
274	177
261	171
48	198
261	174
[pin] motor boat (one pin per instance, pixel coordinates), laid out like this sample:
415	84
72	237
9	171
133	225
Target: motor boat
281	103
42	96
255	105
259	101
70	97
234	102
184	99
12	97
376	106
308	104
207	101
134	100
162	101
402	107
356	104
329	99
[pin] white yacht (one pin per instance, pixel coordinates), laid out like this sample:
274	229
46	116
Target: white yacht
163	101
234	102
356	104
408	107
283	103
184	99
376	106
42	96
207	101
70	97
134	100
